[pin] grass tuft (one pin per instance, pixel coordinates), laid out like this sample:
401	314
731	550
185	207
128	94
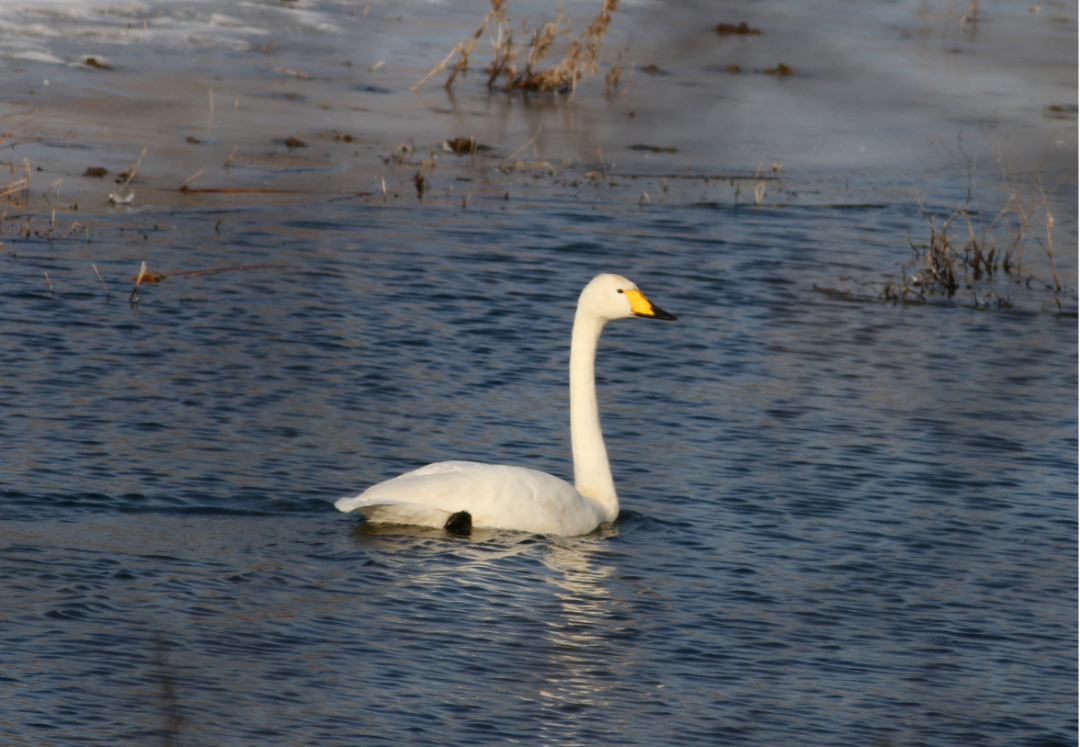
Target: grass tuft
970	248
519	65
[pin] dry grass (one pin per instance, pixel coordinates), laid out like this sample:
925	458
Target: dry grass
465	47
118	197
519	65
12	127
98	273
970	248
144	276
17	191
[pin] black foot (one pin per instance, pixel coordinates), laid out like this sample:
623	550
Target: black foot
459	524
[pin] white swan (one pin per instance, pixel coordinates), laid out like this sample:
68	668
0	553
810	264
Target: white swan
461	495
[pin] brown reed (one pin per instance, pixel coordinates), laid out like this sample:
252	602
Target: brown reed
582	55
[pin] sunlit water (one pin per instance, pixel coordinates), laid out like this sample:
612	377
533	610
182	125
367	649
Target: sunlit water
845	522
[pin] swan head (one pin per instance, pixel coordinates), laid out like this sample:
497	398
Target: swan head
611	297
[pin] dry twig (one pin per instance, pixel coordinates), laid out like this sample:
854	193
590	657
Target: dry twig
581	57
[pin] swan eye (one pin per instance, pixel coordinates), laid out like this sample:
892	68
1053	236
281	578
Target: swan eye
620	290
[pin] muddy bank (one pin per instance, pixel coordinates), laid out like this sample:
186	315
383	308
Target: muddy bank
312	100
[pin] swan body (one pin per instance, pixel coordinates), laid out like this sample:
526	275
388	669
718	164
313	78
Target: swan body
505	497
495	495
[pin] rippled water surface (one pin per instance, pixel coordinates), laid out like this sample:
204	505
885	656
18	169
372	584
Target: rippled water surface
844	521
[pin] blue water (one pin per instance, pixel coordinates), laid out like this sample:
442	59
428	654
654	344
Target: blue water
844	521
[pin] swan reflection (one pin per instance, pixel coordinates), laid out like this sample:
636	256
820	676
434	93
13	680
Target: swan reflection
545	621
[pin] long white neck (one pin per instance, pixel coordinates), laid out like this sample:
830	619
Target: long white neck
592	473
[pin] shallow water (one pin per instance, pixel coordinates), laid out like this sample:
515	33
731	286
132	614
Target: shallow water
844	521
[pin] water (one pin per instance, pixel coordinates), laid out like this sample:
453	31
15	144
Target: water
844	521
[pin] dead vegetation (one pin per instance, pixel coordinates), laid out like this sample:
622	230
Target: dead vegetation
731	29
144	276
969	250
17	191
519	65
464	146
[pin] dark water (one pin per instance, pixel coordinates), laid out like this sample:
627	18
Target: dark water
844	522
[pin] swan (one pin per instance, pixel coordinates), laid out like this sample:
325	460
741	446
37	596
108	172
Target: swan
461	495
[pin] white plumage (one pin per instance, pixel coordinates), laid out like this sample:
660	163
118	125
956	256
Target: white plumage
505	497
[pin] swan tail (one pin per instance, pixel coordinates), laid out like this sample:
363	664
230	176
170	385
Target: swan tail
350	503
381	511
427	496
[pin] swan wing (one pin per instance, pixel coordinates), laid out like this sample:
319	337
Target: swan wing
496	496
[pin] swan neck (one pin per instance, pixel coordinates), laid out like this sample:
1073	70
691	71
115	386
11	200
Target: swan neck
592	472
